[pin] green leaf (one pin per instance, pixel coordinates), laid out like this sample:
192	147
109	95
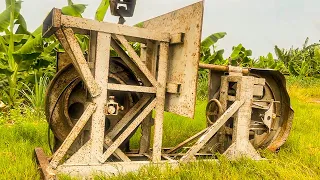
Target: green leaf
37	31
70	3
33	45
102	10
248	52
17	38
22	29
212	39
139	25
74	10
4	20
5	15
236	52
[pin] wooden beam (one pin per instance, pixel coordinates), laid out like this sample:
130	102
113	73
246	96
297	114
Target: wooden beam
74	51
131	88
186	141
142	33
161	93
102	57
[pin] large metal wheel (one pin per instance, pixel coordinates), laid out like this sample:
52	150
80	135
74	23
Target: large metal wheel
261	136
67	97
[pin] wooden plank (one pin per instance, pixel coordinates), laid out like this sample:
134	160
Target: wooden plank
46	172
186	141
150	59
138	33
131	88
75	131
161	93
79	60
137	60
102	54
134	124
118	153
212	130
145	134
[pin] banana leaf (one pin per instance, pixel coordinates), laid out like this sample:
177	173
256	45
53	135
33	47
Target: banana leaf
212	39
102	10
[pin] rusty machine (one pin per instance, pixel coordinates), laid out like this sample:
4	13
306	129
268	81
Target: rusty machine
97	101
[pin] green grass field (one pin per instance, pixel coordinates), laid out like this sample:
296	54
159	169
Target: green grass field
299	158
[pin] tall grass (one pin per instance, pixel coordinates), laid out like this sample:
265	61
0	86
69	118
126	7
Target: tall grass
299	158
36	96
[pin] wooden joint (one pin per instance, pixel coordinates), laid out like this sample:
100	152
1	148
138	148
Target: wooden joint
176	38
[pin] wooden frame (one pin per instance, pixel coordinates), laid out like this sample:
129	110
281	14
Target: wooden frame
153	68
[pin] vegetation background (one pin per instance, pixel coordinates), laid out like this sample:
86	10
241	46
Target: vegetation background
27	63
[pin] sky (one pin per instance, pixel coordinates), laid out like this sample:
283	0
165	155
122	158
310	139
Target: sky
259	25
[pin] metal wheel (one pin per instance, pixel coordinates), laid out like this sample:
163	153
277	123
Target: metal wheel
67	97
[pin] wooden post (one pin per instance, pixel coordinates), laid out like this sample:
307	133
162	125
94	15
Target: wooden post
161	92
102	54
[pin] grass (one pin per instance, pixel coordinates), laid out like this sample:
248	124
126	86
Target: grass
299	158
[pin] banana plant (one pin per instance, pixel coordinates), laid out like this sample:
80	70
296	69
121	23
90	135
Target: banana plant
209	54
240	56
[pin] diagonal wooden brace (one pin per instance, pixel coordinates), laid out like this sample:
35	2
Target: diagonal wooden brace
71	46
135	123
58	155
127	60
137	60
211	131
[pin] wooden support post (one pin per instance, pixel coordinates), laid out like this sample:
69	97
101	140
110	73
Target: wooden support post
241	145
161	92
75	131
102	54
150	59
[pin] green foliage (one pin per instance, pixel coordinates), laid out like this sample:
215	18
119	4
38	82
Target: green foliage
36	96
299	158
241	57
102	10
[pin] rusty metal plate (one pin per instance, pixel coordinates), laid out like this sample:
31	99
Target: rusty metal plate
183	57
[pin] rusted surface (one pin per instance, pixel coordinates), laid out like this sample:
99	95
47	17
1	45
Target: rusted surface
58	155
183	58
274	89
211	131
137	33
130	88
46	172
66	89
160	96
72	47
220	68
136	59
102	58
133	125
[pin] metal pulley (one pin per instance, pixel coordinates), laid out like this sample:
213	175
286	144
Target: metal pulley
122	8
